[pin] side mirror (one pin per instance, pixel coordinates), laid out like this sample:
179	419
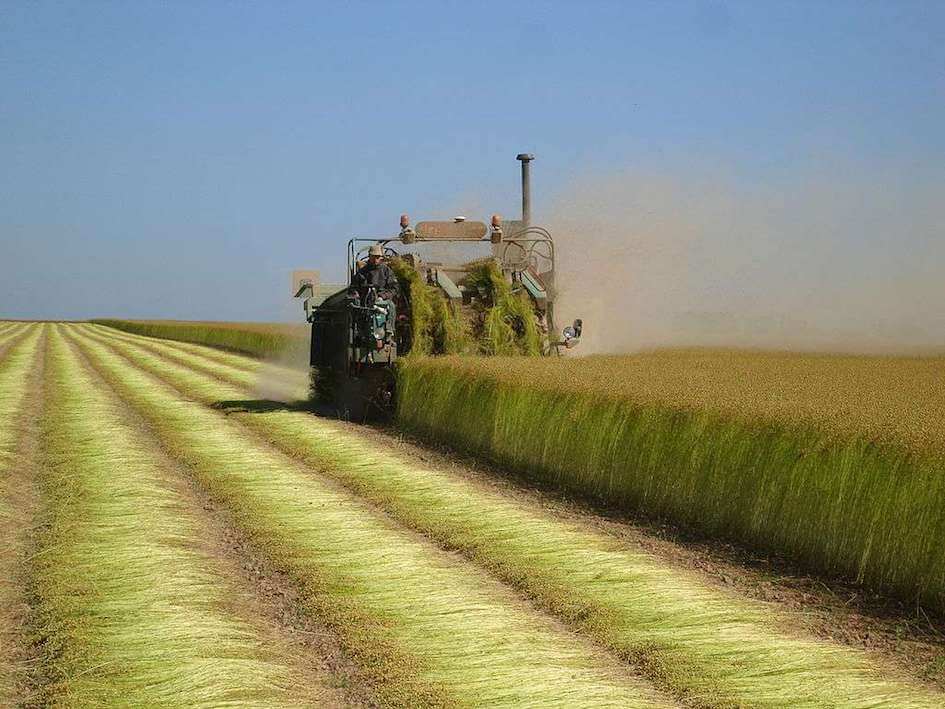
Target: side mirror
572	334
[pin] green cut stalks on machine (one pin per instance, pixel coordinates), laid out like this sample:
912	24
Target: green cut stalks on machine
436	327
500	323
508	325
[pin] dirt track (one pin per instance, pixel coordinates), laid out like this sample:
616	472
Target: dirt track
357	568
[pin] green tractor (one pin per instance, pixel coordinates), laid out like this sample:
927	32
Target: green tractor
439	287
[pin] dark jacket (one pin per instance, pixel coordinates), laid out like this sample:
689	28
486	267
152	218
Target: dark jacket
380	276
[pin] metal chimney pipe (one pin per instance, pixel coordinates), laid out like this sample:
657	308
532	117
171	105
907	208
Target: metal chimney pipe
526	158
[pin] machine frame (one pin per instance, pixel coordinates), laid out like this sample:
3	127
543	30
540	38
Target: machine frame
356	372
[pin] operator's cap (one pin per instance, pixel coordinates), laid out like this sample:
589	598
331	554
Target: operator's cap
376	250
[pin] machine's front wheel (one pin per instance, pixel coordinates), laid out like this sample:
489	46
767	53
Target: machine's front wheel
367	397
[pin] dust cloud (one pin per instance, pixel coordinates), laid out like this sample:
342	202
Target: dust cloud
818	265
284	377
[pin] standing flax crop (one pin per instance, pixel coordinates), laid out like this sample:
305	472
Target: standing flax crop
836	462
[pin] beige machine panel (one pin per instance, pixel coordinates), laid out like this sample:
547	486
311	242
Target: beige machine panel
472	231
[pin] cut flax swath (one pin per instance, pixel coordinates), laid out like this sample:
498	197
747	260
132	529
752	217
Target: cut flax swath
9	334
8	326
255	339
289	386
705	647
130	614
14	374
432	628
240	361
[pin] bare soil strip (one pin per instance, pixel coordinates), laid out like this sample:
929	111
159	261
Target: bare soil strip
545	560
21	371
130	611
438	629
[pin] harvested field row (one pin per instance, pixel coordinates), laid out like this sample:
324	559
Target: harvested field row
432	628
216	354
17	361
130	612
255	339
242	371
869	507
8	334
704	647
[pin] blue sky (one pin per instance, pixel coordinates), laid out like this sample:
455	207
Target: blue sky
179	159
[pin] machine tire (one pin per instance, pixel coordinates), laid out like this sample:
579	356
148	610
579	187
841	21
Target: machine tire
365	398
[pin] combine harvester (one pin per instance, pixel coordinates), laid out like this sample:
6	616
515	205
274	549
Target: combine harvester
504	279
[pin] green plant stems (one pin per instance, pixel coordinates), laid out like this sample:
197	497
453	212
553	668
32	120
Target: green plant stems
845	505
509	326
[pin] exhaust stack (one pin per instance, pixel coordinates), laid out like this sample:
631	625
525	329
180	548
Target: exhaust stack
525	159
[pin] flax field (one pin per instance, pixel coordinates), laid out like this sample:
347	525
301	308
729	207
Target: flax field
171	540
835	461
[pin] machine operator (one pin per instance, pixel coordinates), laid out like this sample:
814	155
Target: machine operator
376	273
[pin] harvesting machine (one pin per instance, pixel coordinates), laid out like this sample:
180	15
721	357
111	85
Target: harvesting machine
359	332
